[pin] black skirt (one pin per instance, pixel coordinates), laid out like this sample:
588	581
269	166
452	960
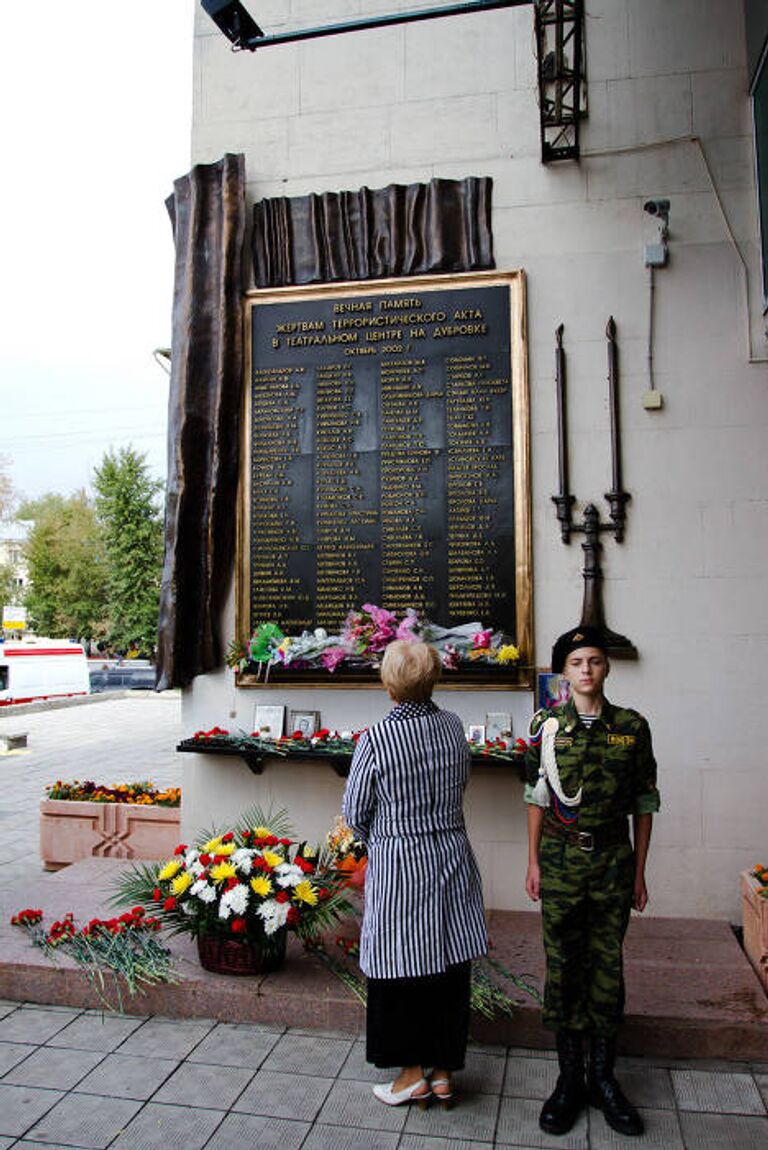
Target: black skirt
419	1021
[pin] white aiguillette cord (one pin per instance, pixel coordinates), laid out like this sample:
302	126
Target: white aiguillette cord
548	771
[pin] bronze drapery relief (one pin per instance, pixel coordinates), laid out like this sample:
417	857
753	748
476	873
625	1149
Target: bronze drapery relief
208	214
440	227
418	229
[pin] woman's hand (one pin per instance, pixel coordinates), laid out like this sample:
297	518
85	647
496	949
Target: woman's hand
533	882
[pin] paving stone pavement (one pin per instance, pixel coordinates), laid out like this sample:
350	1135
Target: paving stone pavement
116	739
81	1079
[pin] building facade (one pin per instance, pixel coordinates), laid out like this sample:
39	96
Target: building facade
668	118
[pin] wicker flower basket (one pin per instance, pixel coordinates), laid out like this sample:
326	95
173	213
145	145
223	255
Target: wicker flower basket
241	956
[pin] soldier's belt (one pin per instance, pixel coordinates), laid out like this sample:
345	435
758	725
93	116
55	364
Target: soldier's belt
609	835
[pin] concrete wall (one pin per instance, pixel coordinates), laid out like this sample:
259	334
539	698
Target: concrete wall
669	116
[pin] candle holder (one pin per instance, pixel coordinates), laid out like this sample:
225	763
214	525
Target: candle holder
592	611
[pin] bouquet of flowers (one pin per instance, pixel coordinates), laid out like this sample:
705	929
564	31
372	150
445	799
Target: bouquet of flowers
761	874
247	883
126	945
347	855
364	636
142	793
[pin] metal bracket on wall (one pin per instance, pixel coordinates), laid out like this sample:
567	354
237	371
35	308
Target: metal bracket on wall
560	61
592	611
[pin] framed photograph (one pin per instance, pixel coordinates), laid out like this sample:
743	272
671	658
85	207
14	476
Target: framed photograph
306	723
476	733
497	723
551	690
268	720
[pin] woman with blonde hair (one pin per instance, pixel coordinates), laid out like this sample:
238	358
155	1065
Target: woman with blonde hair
423	921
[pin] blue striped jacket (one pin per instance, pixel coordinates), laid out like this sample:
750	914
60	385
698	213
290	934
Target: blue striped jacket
423	895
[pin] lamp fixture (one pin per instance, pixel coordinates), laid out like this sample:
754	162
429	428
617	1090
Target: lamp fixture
234	20
241	29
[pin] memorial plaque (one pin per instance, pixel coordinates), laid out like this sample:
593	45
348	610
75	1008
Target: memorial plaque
387	454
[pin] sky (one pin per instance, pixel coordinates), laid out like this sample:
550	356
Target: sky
97	108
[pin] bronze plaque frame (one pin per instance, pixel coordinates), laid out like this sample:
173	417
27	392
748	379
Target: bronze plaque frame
517	678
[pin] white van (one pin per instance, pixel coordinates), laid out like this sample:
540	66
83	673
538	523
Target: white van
37	668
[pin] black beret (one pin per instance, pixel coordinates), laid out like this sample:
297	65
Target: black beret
572	640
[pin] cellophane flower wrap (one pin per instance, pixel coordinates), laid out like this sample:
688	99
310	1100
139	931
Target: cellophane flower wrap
247	883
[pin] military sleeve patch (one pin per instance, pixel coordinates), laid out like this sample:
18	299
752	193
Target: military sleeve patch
563	741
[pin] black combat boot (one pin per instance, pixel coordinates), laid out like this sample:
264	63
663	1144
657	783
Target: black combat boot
604	1091
569	1097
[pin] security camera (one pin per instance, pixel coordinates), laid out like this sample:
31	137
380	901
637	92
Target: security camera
657	208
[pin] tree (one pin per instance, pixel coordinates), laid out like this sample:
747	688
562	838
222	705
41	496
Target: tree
66	595
132	532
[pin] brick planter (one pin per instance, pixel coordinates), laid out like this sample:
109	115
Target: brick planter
71	831
754	916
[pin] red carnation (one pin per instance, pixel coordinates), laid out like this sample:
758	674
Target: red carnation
205	859
231	881
239	926
285	842
170	903
282	896
181	849
293	916
157	894
227	838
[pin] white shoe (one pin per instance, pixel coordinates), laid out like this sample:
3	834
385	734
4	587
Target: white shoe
407	1094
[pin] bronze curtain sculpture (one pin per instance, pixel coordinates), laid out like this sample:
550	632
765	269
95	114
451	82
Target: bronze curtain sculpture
443	226
208	214
418	229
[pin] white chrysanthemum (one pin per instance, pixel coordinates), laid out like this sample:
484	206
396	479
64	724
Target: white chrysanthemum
204	891
242	859
274	914
288	874
187	907
191	857
234	901
196	869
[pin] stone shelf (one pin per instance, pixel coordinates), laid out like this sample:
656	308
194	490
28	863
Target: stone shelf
338	761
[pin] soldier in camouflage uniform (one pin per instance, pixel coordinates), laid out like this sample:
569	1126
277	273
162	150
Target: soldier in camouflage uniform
590	767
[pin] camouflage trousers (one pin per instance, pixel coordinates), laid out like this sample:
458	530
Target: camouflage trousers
586	899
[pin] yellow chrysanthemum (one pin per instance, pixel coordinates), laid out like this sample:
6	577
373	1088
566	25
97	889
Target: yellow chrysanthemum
211	847
224	849
222	871
304	893
262	832
171	868
271	858
507	654
181	883
261	885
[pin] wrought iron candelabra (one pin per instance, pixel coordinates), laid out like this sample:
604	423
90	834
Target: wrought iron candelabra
591	527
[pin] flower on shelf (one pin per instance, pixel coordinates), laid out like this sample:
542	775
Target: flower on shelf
325	742
248	882
143	794
362	639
